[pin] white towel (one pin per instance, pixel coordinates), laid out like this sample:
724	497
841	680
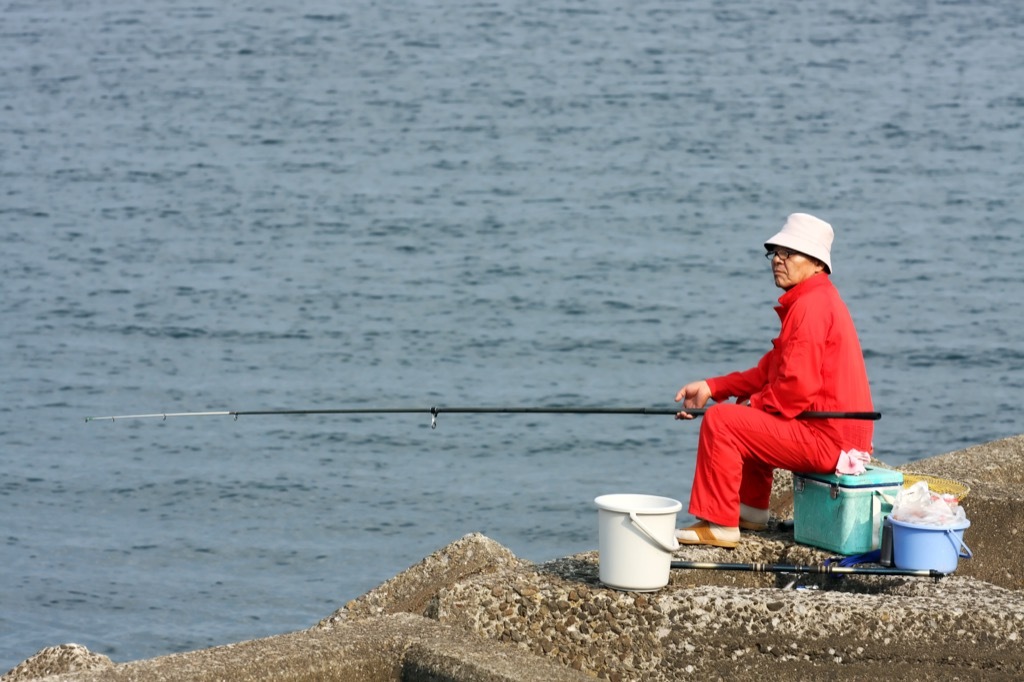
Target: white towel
852	462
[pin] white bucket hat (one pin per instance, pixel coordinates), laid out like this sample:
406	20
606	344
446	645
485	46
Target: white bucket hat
808	235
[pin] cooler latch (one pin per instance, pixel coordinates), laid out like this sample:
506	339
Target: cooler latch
834	490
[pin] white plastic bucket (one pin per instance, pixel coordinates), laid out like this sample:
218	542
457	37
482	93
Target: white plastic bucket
937	548
636	538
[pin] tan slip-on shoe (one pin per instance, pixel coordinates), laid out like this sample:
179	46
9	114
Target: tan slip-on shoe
701	533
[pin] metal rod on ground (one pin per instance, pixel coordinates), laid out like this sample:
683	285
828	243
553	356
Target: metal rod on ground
822	568
434	411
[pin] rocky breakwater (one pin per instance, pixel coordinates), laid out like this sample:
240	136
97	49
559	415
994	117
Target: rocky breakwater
474	611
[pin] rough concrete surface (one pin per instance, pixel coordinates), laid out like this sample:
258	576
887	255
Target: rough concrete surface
387	648
473	611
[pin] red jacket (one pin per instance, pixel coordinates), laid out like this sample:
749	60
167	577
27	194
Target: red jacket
815	363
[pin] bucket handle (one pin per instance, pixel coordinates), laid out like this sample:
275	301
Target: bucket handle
647	531
960	546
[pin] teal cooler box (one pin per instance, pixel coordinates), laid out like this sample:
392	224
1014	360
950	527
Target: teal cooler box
842	512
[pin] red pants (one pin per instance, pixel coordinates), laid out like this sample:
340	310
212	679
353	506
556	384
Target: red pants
738	450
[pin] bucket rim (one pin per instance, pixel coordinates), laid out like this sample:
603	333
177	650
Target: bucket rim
959	525
609	502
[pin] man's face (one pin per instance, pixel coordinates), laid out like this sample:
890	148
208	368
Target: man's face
792	267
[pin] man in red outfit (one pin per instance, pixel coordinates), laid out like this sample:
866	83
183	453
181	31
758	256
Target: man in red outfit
815	364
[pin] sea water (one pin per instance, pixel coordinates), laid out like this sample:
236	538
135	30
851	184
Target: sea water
313	205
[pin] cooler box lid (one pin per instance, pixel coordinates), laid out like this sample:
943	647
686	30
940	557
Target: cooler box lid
873	477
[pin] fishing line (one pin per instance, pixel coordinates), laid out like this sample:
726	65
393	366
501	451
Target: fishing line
434	411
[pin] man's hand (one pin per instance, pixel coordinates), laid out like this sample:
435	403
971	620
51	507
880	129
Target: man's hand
695	395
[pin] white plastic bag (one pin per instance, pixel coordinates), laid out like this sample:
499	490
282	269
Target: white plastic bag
920	506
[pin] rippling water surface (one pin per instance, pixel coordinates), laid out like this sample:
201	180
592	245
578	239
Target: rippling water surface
269	205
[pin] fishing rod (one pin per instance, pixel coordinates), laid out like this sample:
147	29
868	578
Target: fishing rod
435	411
830	569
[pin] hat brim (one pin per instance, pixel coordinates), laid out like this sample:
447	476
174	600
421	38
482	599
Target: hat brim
803	246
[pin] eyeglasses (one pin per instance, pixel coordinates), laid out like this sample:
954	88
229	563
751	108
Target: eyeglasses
783	254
